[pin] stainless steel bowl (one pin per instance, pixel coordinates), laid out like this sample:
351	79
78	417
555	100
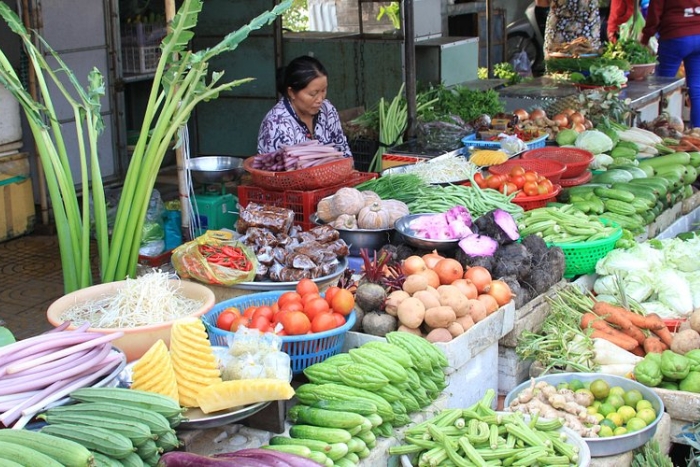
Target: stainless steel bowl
357	239
408	235
602	447
216	169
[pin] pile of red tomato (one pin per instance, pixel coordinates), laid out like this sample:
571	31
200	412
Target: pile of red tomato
524	183
296	312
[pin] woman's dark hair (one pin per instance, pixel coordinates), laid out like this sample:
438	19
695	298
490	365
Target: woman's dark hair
299	73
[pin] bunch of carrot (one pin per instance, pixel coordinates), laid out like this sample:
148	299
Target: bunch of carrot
631	331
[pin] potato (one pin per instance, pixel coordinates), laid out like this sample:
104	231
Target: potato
414	283
466	322
433	291
476	309
393	300
411	312
685	341
694	320
439	316
403	328
428	298
451	296
439	335
455	329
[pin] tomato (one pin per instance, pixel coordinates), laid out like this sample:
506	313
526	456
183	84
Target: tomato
548	184
308	297
288	296
330	293
530	176
228	318
315	307
265	311
508	188
323	322
516	170
343	302
305	286
292	306
296	323
340	319
520	194
518	181
262	323
248	313
531	188
495	181
542	189
480	180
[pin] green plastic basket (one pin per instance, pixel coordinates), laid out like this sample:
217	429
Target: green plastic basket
582	257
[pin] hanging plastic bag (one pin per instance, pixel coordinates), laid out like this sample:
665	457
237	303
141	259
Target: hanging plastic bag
521	63
215	258
153	232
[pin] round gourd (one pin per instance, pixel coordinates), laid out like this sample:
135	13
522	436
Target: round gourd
345	222
370	197
396	209
373	217
347	200
324	210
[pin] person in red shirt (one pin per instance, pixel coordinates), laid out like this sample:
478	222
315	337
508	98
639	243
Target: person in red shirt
620	12
677	23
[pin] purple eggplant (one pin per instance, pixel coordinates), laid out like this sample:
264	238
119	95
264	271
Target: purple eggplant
275	458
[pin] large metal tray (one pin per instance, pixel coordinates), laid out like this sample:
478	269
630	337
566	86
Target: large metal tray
266	286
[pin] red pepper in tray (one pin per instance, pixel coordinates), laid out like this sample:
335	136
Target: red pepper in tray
226	255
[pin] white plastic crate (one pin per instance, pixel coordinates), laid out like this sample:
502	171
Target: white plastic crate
140	59
142	34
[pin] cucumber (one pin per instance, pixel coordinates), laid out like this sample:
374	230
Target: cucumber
635	171
611	193
358	406
612	176
691	174
639	191
694	159
313	444
329	435
665	160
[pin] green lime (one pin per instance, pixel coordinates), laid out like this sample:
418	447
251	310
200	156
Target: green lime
617	390
616	418
600	389
619	431
635	424
605	431
615	400
599	417
632	396
647	414
626	412
592	410
606	409
596	404
563	385
575	384
643	404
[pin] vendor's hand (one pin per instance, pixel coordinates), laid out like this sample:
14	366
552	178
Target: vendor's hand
612	37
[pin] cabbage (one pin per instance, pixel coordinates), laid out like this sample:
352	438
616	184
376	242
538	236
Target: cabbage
673	290
600	162
640	257
682	255
638	285
693	279
594	141
659	308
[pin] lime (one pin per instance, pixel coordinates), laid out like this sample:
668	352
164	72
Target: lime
617	390
605	432
575	384
619	431
562	385
647	414
606	409
615	400
600	389
599	417
626	412
632	396
592	410
596	404
643	404
616	418
635	424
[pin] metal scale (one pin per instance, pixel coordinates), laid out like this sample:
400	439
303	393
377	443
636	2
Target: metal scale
213	207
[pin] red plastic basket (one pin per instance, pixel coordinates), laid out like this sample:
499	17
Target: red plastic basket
303	203
576	160
585	177
550	169
320	176
533	202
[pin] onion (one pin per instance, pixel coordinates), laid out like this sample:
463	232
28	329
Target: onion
578	127
522	114
568	111
480	277
561	120
587	124
413	265
500	291
577	117
431	259
537	113
467	287
489	302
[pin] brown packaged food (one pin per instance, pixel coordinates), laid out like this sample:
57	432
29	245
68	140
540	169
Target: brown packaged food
278	220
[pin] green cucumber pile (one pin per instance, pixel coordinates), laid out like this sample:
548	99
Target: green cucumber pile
481	436
108	426
353	398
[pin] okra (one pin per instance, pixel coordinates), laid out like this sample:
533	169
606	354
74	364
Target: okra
471	452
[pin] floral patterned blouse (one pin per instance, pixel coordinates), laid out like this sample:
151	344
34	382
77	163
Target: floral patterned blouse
282	126
571	19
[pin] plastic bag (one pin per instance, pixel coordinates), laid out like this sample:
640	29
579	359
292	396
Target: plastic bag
511	144
253	354
189	262
442	135
153	230
521	63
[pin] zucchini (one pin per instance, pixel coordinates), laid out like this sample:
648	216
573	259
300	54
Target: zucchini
329	435
611	193
65	451
325	418
665	160
26	456
93	438
164	405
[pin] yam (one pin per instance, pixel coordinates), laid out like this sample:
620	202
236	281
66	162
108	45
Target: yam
439	335
466	322
451	296
414	283
512	260
455	329
521	295
411	312
393	301
477	310
537	248
428	298
439	316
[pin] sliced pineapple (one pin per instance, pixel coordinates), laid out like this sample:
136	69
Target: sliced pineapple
234	393
154	372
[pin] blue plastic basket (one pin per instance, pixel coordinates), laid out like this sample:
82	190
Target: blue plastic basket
471	140
303	351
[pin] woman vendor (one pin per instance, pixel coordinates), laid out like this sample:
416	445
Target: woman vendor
303	113
569	20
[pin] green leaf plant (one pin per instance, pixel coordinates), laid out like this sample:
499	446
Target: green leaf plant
182	80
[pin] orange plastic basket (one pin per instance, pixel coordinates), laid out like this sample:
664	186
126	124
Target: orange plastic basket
312	178
576	159
549	169
533	202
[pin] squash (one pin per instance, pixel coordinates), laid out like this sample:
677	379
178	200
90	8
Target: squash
345	222
373	217
347	200
324	209
397	209
370	197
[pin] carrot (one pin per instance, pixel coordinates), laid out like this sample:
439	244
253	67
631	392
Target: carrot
613	315
638	351
650	321
654	345
616	337
654	322
665	335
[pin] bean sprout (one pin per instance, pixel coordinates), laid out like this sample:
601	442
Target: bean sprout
451	169
148	299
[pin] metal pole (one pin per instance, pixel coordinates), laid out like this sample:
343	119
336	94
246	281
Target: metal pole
489	36
410	64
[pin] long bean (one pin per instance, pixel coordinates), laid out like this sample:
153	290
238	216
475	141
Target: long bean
478	201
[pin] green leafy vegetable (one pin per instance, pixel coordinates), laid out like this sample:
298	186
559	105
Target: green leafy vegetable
630	50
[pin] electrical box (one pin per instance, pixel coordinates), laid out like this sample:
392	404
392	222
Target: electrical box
447	60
